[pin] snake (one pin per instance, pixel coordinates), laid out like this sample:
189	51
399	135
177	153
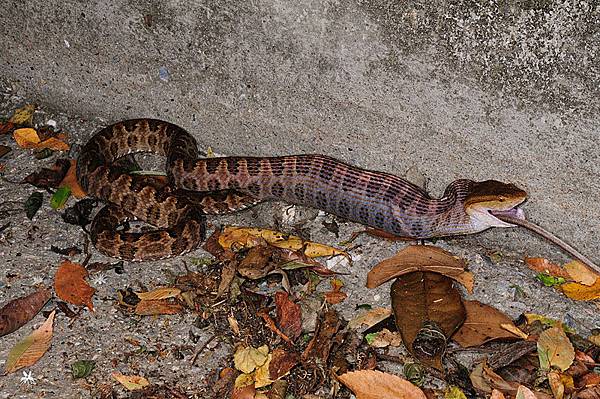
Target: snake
196	186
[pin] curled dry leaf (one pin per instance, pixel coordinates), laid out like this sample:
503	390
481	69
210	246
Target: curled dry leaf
483	324
70	284
31	348
420	258
555	349
52	177
159	293
28	138
244	237
18	312
421	299
542	265
130	382
372	384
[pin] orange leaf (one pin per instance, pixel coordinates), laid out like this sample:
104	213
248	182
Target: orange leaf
54	143
26	137
70	284
70	180
542	265
156	307
31	348
336	295
372	384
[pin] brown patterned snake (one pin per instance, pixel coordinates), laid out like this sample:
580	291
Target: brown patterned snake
198	186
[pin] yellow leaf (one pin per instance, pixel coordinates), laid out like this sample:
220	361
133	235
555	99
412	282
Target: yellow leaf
23	116
26	137
243	380
53	143
581	292
454	393
131	382
581	273
372	384
159	293
246	237
555	349
514	330
261	375
247	359
32	348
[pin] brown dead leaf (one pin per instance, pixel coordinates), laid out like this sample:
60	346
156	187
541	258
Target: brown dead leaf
589	393
483	324
373	384
28	138
31	348
420	258
369	318
336	295
18	312
425	299
130	382
6	127
49	178
157	307
525	393
70	284
555	349
328	324
581	292
484	379
159	293
4	150
282	362
289	315
556	385
542	265
70	180
580	273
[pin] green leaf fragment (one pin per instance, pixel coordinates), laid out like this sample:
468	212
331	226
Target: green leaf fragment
60	197
33	204
371	337
550	281
82	368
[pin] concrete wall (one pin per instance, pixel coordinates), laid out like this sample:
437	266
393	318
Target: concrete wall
506	91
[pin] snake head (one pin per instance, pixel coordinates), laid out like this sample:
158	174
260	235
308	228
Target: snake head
489	198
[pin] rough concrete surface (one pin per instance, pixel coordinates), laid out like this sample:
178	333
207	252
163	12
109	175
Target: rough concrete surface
504	90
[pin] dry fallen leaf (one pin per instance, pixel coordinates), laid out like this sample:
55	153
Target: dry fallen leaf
496	394
384	338
556	385
70	180
370	318
542	265
420	258
159	293
247	359
244	237
580	273
130	382
70	284
28	138
157	307
525	393
23	115
281	363
289	315
555	349
18	312
483	324
336	295
31	348
581	292
420	301
372	384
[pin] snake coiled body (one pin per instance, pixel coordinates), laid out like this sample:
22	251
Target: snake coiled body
197	186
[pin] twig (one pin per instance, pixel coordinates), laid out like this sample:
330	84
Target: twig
193	360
